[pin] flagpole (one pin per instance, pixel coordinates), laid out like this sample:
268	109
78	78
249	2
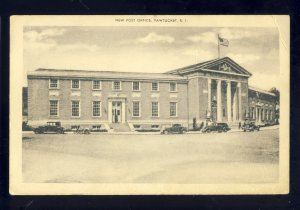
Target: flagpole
218	46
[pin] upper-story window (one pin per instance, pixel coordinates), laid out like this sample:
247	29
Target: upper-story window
154	86
96	85
116	85
135	86
75	84
53	83
173	86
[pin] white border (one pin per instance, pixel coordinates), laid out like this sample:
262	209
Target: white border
16	54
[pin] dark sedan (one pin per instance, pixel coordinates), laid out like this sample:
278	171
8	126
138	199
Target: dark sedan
250	126
50	127
216	127
176	128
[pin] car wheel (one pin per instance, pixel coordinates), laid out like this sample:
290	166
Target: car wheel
208	131
166	132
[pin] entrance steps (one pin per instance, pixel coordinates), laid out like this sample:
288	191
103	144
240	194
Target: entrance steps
120	127
233	125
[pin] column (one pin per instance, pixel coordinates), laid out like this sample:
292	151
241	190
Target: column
256	114
271	115
234	110
219	100
259	116
109	112
209	96
123	112
240	100
229	118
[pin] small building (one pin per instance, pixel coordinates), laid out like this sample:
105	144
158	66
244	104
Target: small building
262	106
215	90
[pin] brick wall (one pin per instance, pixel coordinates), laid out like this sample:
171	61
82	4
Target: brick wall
40	94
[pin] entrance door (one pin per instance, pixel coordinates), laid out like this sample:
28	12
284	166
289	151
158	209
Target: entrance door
116	111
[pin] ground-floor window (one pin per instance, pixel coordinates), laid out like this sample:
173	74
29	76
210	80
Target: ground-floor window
135	108
75	108
173	109
96	108
155	112
53	108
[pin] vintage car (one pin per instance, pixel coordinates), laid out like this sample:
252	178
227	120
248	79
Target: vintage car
176	128
50	127
216	127
250	126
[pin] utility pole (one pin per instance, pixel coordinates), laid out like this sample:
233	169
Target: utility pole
218	46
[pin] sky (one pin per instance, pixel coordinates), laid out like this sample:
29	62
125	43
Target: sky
151	49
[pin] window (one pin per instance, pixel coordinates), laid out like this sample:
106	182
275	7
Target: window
154	86
53	83
155	109
154	126
173	109
75	84
75	127
96	85
135	108
96	127
135	86
136	126
54	108
116	85
173	86
75	109
96	108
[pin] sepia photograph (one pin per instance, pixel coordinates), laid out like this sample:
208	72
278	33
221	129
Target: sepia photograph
149	105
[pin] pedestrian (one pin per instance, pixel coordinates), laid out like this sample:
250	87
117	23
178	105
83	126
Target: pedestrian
240	125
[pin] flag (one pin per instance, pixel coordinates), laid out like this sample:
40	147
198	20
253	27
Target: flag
223	42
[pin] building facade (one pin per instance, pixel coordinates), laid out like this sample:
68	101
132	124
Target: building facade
215	90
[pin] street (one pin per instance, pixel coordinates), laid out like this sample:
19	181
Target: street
214	158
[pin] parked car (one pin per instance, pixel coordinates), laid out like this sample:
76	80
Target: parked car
50	127
176	128
216	127
250	126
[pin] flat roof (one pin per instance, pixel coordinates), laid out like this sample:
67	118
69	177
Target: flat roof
261	91
102	74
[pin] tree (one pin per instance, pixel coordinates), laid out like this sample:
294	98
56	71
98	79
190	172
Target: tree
277	101
277	94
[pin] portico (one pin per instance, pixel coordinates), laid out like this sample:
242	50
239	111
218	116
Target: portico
220	90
